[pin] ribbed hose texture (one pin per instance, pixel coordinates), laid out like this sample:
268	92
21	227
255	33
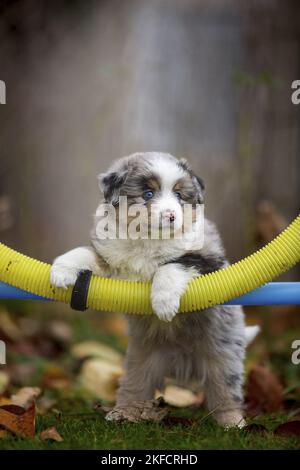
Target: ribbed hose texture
115	295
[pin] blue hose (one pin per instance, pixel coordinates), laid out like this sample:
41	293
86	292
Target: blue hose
274	293
10	292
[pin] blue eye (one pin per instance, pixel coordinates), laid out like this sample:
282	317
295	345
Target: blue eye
148	195
178	195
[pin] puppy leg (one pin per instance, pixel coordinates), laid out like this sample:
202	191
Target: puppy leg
144	373
168	285
66	267
223	389
223	352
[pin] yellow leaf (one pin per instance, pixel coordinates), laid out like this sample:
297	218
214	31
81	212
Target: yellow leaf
180	397
96	349
25	396
51	434
100	378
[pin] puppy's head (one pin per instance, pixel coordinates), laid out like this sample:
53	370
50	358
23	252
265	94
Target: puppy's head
155	181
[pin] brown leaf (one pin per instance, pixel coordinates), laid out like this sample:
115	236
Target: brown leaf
291	428
3	433
291	404
56	377
171	421
264	391
255	428
9	329
18	420
4	381
14	409
4	401
25	396
51	434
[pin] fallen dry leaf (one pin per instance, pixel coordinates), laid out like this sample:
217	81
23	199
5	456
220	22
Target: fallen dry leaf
9	329
100	378
291	404
5	401
18	420
51	434
56	377
89	349
255	428
180	397
4	381
60	332
171	421
291	428
3	433
264	391
25	396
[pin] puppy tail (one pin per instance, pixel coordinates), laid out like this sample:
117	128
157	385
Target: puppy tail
251	332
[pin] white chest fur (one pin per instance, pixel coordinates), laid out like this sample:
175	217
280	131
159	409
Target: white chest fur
138	259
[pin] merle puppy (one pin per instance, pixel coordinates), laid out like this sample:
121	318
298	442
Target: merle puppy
207	346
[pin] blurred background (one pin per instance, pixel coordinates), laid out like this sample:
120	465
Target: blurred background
91	81
88	82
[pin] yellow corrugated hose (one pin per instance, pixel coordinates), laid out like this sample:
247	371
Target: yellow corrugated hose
115	295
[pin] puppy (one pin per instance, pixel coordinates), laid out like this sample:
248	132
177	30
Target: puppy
206	346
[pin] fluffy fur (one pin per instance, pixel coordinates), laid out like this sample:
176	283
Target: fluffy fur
208	346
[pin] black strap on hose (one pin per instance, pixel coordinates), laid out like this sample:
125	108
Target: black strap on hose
81	290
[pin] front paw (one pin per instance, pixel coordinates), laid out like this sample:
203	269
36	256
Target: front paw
230	419
137	411
115	415
63	276
165	304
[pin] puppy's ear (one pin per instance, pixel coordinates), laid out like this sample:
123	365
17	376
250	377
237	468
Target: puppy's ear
198	182
200	186
110	183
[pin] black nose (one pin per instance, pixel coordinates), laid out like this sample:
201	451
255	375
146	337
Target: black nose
172	217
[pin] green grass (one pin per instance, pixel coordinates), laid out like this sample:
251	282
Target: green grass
85	429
